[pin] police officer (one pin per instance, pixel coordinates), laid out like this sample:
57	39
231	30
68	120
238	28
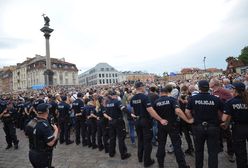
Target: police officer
64	121
168	108
53	110
237	110
101	125
90	111
42	138
38	101
142	112
80	125
205	109
7	115
116	125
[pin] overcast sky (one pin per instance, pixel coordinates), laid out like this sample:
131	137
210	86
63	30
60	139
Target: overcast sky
153	36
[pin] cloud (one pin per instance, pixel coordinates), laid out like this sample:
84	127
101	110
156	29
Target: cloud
12	43
129	35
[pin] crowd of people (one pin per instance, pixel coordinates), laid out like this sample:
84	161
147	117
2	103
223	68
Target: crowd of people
209	110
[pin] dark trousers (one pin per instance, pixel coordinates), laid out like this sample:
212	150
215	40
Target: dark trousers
91	132
226	134
100	130
174	133
117	129
144	134
80	126
64	130
10	132
210	135
186	129
40	159
240	135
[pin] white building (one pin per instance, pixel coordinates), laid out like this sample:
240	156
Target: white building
31	73
101	74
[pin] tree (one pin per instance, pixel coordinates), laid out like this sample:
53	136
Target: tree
244	55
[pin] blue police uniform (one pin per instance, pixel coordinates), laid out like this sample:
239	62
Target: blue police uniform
238	110
9	126
143	124
80	122
91	126
52	112
64	122
40	133
102	138
116	128
165	107
205	108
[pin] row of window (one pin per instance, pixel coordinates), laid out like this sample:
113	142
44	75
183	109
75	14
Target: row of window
107	69
108	81
107	75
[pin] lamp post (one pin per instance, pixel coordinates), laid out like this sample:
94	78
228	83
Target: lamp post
204	62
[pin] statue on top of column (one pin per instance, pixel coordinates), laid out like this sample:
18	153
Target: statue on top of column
46	19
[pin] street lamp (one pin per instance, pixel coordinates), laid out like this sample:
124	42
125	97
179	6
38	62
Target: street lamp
204	61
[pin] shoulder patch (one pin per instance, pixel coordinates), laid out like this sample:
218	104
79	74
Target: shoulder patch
45	124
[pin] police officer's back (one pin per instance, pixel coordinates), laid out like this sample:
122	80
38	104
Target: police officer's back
64	121
114	114
143	113
80	125
42	138
237	110
168	108
205	109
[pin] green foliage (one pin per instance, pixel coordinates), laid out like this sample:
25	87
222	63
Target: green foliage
244	55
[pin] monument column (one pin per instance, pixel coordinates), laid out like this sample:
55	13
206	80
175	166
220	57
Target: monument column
48	74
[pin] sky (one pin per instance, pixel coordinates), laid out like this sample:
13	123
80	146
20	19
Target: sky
153	36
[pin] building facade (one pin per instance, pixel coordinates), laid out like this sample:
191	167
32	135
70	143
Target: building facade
6	79
31	73
101	74
135	76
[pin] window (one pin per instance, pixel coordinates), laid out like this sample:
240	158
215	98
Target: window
103	81
113	75
103	75
107	69
106	75
100	75
109	80
116	75
102	69
100	81
116	81
106	80
113	81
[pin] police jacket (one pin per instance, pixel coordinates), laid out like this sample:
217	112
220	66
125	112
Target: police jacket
114	109
39	133
165	107
140	103
77	106
64	110
205	108
236	108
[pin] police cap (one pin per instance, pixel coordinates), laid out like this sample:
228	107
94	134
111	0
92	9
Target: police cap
238	86
63	98
203	84
166	89
139	84
43	107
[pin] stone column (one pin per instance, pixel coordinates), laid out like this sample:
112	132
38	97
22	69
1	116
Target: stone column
48	74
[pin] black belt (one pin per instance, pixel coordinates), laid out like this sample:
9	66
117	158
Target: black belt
206	124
